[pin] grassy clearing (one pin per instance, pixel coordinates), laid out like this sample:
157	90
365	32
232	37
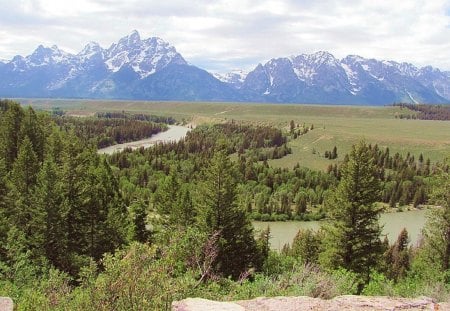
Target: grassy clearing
339	126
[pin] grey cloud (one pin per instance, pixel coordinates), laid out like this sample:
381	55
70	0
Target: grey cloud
241	33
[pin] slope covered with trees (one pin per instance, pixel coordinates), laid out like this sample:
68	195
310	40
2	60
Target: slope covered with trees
138	229
108	129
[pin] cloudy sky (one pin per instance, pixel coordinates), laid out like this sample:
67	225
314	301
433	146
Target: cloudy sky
229	34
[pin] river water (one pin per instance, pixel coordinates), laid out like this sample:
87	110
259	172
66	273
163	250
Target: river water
283	232
174	133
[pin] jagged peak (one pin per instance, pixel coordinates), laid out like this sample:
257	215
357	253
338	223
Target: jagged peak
259	67
90	48
317	58
156	40
275	61
354	58
39	49
431	69
48	50
131	39
323	54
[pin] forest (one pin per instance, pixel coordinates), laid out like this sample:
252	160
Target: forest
424	112
109	129
138	229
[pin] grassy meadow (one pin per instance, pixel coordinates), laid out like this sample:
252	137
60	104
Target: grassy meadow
339	126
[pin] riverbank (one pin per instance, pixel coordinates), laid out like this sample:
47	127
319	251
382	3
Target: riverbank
283	232
174	133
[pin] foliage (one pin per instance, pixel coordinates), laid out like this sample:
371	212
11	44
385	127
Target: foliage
219	213
107	131
425	112
352	236
437	230
138	229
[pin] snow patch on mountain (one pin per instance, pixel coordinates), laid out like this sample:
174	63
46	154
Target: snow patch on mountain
89	51
236	77
316	78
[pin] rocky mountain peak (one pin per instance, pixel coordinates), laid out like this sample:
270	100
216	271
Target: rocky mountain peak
131	40
127	69
47	55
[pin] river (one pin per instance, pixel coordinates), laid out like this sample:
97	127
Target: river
283	232
174	133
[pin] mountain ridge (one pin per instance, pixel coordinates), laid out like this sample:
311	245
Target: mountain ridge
152	69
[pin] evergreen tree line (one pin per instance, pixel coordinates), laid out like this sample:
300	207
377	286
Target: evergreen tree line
136	117
60	202
62	206
425	112
109	131
268	193
404	178
172	221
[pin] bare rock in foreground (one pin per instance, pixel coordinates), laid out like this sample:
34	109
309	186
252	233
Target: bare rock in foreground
357	303
200	304
6	304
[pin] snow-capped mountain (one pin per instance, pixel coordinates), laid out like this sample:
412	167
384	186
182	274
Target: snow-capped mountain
152	69
119	71
144	57
321	78
235	78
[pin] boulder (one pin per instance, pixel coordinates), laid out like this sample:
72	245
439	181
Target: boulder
344	303
6	304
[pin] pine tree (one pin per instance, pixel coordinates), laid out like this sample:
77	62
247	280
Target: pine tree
397	257
48	199
184	213
138	214
9	134
74	187
306	246
334	154
4	227
219	212
105	212
23	180
301	203
437	229
32	129
352	236
23	214
263	245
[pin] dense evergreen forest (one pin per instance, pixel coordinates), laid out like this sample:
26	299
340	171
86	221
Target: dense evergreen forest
109	129
138	229
424	112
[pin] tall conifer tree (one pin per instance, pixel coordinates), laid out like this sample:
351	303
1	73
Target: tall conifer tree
437	229
352	236
219	213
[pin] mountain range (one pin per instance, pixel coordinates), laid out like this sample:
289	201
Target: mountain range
152	69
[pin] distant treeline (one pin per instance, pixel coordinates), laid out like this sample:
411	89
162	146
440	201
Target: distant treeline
104	132
267	193
136	117
425	112
403	177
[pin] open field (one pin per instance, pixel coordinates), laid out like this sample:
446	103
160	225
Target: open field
339	126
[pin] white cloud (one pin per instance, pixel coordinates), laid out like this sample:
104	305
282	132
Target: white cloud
224	34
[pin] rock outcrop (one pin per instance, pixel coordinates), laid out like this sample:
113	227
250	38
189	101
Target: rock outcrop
343	303
6	304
